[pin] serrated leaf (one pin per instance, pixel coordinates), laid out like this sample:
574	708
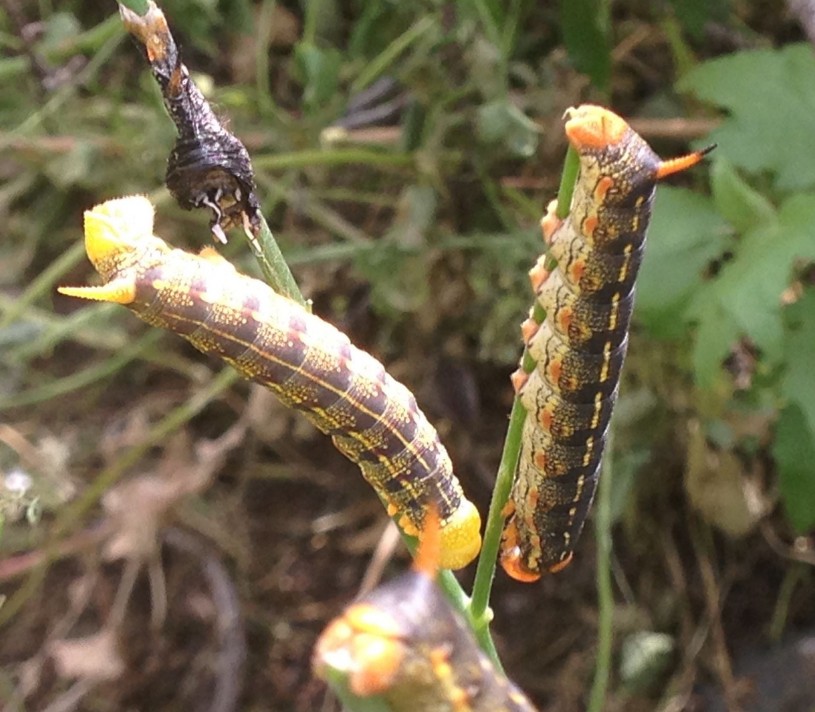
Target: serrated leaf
587	36
741	205
745	297
686	233
794	453
712	342
770	96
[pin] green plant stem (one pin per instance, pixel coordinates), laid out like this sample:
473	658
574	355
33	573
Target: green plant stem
479	612
273	265
568	178
605	594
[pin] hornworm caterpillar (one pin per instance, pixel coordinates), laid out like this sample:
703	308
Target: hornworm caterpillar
306	362
587	295
404	643
208	167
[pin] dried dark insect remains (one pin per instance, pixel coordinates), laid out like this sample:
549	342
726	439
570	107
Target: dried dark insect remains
208	167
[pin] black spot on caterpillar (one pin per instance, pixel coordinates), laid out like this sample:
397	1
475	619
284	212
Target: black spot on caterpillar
306	362
208	166
585	285
405	644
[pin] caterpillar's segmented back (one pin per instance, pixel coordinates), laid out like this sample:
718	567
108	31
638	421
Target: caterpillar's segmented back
585	285
306	362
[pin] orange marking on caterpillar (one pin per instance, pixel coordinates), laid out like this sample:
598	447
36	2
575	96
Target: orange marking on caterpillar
538	275
682	163
519	379
605	184
529	328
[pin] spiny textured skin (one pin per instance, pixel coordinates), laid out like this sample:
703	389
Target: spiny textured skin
405	643
306	362
579	349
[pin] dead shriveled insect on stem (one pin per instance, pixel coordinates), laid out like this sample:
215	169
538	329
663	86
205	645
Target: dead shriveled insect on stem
209	167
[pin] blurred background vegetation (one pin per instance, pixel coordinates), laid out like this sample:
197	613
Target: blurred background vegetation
404	153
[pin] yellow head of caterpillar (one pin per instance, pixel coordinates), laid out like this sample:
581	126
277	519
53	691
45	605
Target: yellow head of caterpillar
460	536
115	233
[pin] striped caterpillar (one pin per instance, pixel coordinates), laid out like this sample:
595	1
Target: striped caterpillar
208	167
580	346
404	643
306	362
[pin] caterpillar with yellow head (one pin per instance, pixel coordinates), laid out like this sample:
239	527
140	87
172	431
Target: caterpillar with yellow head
585	285
309	364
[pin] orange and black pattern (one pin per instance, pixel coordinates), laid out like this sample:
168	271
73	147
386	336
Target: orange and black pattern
208	167
585	285
406	645
310	365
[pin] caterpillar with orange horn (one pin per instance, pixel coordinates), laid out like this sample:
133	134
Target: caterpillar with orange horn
306	362
585	285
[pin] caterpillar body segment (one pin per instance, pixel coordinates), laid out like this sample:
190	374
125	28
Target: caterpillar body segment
310	365
585	286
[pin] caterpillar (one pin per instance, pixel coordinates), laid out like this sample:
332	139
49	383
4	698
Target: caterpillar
404	643
585	285
309	364
208	166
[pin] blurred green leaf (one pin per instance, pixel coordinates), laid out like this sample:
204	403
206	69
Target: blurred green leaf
319	71
500	121
694	14
587	35
769	95
798	382
741	205
686	234
794	453
746	294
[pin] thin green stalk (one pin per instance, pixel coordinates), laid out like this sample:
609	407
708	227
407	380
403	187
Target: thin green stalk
81	379
273	265
605	594
44	283
380	64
